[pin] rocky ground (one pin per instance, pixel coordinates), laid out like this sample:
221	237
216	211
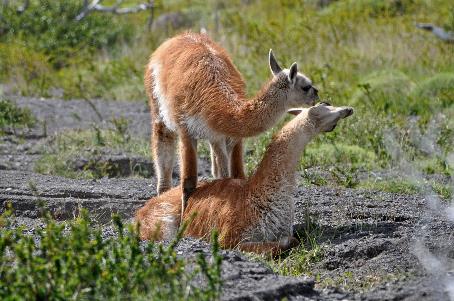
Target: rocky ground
376	245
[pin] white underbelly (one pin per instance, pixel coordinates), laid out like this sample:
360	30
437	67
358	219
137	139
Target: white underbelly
198	128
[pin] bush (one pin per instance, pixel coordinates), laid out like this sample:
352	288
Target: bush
372	8
24	68
386	91
50	27
437	91
75	261
13	116
332	154
117	79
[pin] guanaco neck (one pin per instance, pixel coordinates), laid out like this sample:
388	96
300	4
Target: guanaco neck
277	170
254	116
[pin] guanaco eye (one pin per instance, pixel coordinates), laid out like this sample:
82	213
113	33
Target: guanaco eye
306	88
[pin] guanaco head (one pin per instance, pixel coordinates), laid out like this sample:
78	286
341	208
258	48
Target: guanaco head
300	89
324	116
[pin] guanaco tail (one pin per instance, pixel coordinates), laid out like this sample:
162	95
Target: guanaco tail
254	214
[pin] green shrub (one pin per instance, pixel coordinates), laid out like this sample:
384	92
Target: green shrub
104	80
13	116
385	90
50	27
450	23
371	8
395	186
75	261
437	91
26	70
337	153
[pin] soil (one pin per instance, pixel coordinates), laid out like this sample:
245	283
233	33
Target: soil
376	245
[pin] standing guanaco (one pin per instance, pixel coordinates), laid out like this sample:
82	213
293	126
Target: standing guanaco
195	92
254	214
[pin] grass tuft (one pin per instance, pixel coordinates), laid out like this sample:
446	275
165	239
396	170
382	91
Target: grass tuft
63	154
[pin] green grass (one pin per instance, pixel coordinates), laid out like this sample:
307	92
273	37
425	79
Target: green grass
326	155
11	116
73	261
409	187
67	147
396	186
300	260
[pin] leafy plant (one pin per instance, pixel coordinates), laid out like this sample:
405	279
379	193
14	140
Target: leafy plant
346	177
52	27
13	116
76	261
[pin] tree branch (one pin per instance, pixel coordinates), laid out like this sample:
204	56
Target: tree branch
95	5
447	36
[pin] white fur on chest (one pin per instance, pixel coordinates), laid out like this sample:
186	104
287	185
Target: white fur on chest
159	95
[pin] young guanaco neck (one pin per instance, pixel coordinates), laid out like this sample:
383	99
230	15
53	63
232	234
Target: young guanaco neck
256	115
278	167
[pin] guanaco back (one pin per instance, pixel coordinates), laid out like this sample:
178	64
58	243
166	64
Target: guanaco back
195	92
254	214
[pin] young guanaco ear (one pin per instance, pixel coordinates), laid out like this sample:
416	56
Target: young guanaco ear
292	73
294	111
274	66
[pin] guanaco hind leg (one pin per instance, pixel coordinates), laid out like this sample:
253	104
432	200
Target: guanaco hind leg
235	149
214	166
188	152
221	159
163	145
227	159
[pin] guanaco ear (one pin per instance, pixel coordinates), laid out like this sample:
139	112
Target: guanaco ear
294	111
274	66
292	73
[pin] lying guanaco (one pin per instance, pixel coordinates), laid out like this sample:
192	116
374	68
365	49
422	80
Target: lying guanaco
195	92
254	214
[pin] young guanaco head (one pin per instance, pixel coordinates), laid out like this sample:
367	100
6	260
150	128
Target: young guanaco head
324	116
300	89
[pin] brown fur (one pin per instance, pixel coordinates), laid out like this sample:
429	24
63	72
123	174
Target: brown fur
196	92
254	214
